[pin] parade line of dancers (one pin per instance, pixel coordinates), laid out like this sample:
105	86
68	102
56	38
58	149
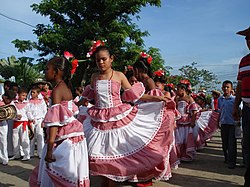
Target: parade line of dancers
121	127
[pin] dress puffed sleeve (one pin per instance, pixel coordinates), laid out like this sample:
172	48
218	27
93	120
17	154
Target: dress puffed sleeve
58	115
88	93
134	93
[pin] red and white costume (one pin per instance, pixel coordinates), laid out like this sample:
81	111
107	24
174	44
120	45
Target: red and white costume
36	112
20	131
184	133
71	168
206	125
126	141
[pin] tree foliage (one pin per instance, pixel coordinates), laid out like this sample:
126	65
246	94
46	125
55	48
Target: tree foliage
22	69
199	78
76	23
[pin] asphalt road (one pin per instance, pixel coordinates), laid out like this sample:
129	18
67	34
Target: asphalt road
207	170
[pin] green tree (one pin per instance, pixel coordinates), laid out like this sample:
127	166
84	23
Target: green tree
22	69
199	78
75	23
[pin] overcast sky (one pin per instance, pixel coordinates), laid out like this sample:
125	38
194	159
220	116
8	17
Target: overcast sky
185	31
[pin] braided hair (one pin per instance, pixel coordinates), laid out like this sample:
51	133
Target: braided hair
62	64
144	66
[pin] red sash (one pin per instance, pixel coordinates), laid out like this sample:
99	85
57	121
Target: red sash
18	123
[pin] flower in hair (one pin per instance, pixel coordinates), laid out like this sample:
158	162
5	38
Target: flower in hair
171	85
68	55
146	56
74	66
159	73
187	83
74	62
130	67
201	95
95	44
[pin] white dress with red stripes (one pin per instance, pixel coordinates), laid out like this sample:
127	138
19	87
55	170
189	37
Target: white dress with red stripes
125	141
71	168
184	133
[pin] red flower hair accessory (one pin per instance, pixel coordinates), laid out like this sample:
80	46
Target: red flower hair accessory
171	85
159	73
201	95
187	83
146	56
95	44
74	62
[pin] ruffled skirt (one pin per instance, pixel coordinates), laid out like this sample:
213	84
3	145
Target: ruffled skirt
137	142
70	169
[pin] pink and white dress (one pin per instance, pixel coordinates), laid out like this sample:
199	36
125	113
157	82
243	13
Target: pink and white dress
206	125
125	141
71	168
184	133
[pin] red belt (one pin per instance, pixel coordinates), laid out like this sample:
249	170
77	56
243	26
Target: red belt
18	123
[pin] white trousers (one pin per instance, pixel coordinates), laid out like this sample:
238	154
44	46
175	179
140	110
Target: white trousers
38	137
10	142
21	140
3	142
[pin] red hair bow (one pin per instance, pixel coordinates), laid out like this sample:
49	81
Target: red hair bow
68	55
74	62
170	85
146	56
95	44
186	82
159	73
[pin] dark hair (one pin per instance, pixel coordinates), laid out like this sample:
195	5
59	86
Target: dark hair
143	65
161	79
10	94
62	64
129	74
22	90
7	83
37	88
13	84
228	82
183	86
103	48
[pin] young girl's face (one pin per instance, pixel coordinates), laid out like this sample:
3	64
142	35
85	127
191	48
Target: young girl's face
159	85
34	94
22	96
180	91
132	80
49	72
103	60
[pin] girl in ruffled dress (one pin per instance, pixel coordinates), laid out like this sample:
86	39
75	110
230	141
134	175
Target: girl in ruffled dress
64	159
123	140
184	133
142	71
206	121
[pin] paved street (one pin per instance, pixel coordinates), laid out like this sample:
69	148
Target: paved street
207	170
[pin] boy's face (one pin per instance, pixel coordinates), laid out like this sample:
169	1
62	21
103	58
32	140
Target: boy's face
227	88
6	100
15	89
34	94
22	96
